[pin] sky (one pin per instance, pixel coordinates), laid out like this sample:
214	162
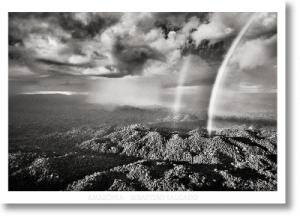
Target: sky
136	59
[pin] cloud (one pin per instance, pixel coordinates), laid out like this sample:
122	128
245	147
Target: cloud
131	58
22	26
107	71
141	39
112	44
245	87
20	71
223	25
175	21
59	63
136	58
86	25
56	37
214	30
78	59
45	46
255	53
76	25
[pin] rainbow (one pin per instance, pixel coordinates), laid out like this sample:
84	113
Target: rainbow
179	91
222	71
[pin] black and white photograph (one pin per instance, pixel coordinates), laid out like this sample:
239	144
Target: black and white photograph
142	101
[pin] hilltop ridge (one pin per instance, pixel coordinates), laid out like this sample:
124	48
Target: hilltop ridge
138	157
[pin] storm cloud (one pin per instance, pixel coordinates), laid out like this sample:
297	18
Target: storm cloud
77	52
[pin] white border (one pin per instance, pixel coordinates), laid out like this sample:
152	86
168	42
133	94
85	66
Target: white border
276	197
